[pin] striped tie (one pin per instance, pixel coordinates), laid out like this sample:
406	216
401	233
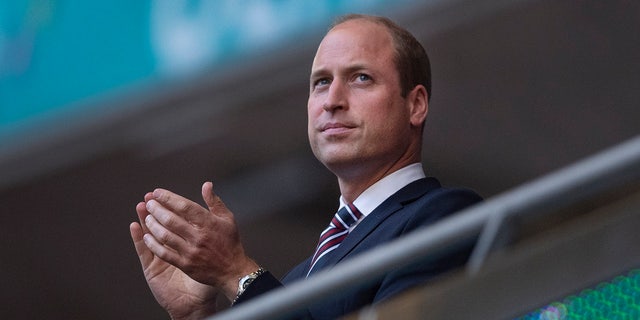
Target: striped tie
336	232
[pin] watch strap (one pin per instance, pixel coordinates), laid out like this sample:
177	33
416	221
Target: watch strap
245	281
262	284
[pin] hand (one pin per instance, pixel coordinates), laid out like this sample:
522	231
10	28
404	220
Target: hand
181	296
202	242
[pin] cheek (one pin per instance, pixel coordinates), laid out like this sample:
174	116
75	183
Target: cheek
311	123
312	133
314	109
388	124
311	116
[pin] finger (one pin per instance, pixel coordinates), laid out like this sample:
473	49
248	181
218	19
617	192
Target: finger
163	235
144	254
148	196
160	250
185	208
170	221
167	218
141	209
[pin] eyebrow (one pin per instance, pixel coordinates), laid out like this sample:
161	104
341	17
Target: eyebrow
319	73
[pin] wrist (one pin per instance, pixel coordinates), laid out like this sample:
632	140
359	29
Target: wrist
245	281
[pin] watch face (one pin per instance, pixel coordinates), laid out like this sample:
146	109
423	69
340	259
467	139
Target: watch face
243	282
246	282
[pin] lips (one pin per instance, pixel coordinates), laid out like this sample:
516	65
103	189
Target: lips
335	127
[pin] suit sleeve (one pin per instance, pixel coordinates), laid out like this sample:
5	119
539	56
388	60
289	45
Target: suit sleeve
262	284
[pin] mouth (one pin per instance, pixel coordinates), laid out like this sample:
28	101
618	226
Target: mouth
335	128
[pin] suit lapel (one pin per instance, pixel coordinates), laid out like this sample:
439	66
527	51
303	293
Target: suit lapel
393	204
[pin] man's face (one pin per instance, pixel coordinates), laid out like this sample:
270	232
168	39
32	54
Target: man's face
357	116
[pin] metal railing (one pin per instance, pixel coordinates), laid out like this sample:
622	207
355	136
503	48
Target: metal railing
596	174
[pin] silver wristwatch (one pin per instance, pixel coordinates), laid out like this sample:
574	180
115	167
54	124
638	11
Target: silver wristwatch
244	282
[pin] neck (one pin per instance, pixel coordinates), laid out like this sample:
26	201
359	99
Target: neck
354	184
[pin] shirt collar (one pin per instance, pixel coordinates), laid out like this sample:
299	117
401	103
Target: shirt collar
377	193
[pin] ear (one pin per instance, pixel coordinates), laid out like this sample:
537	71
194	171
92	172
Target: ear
418	105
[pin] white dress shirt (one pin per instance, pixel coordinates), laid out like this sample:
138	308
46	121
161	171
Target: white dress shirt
377	193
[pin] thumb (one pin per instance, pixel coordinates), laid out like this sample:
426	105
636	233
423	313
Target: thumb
214	203
144	254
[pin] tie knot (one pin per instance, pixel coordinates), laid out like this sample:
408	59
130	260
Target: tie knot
346	216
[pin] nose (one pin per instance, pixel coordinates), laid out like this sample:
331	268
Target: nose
336	97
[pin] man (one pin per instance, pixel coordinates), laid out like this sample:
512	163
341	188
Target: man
368	101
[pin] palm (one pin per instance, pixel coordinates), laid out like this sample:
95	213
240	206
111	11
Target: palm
178	293
181	296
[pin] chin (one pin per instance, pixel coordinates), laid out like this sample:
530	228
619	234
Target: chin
339	163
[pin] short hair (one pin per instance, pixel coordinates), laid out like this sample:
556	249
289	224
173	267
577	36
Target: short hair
412	61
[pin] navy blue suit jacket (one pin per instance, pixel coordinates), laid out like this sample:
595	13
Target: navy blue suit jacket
420	203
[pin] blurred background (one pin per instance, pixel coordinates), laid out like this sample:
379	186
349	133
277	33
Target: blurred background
101	102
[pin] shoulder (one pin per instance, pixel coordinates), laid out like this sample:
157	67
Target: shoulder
437	203
448	197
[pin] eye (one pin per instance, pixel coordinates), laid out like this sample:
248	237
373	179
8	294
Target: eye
363	77
320	82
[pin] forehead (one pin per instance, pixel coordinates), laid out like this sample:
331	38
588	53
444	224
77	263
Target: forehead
355	40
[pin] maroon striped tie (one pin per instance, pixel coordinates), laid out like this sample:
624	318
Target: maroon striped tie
337	230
